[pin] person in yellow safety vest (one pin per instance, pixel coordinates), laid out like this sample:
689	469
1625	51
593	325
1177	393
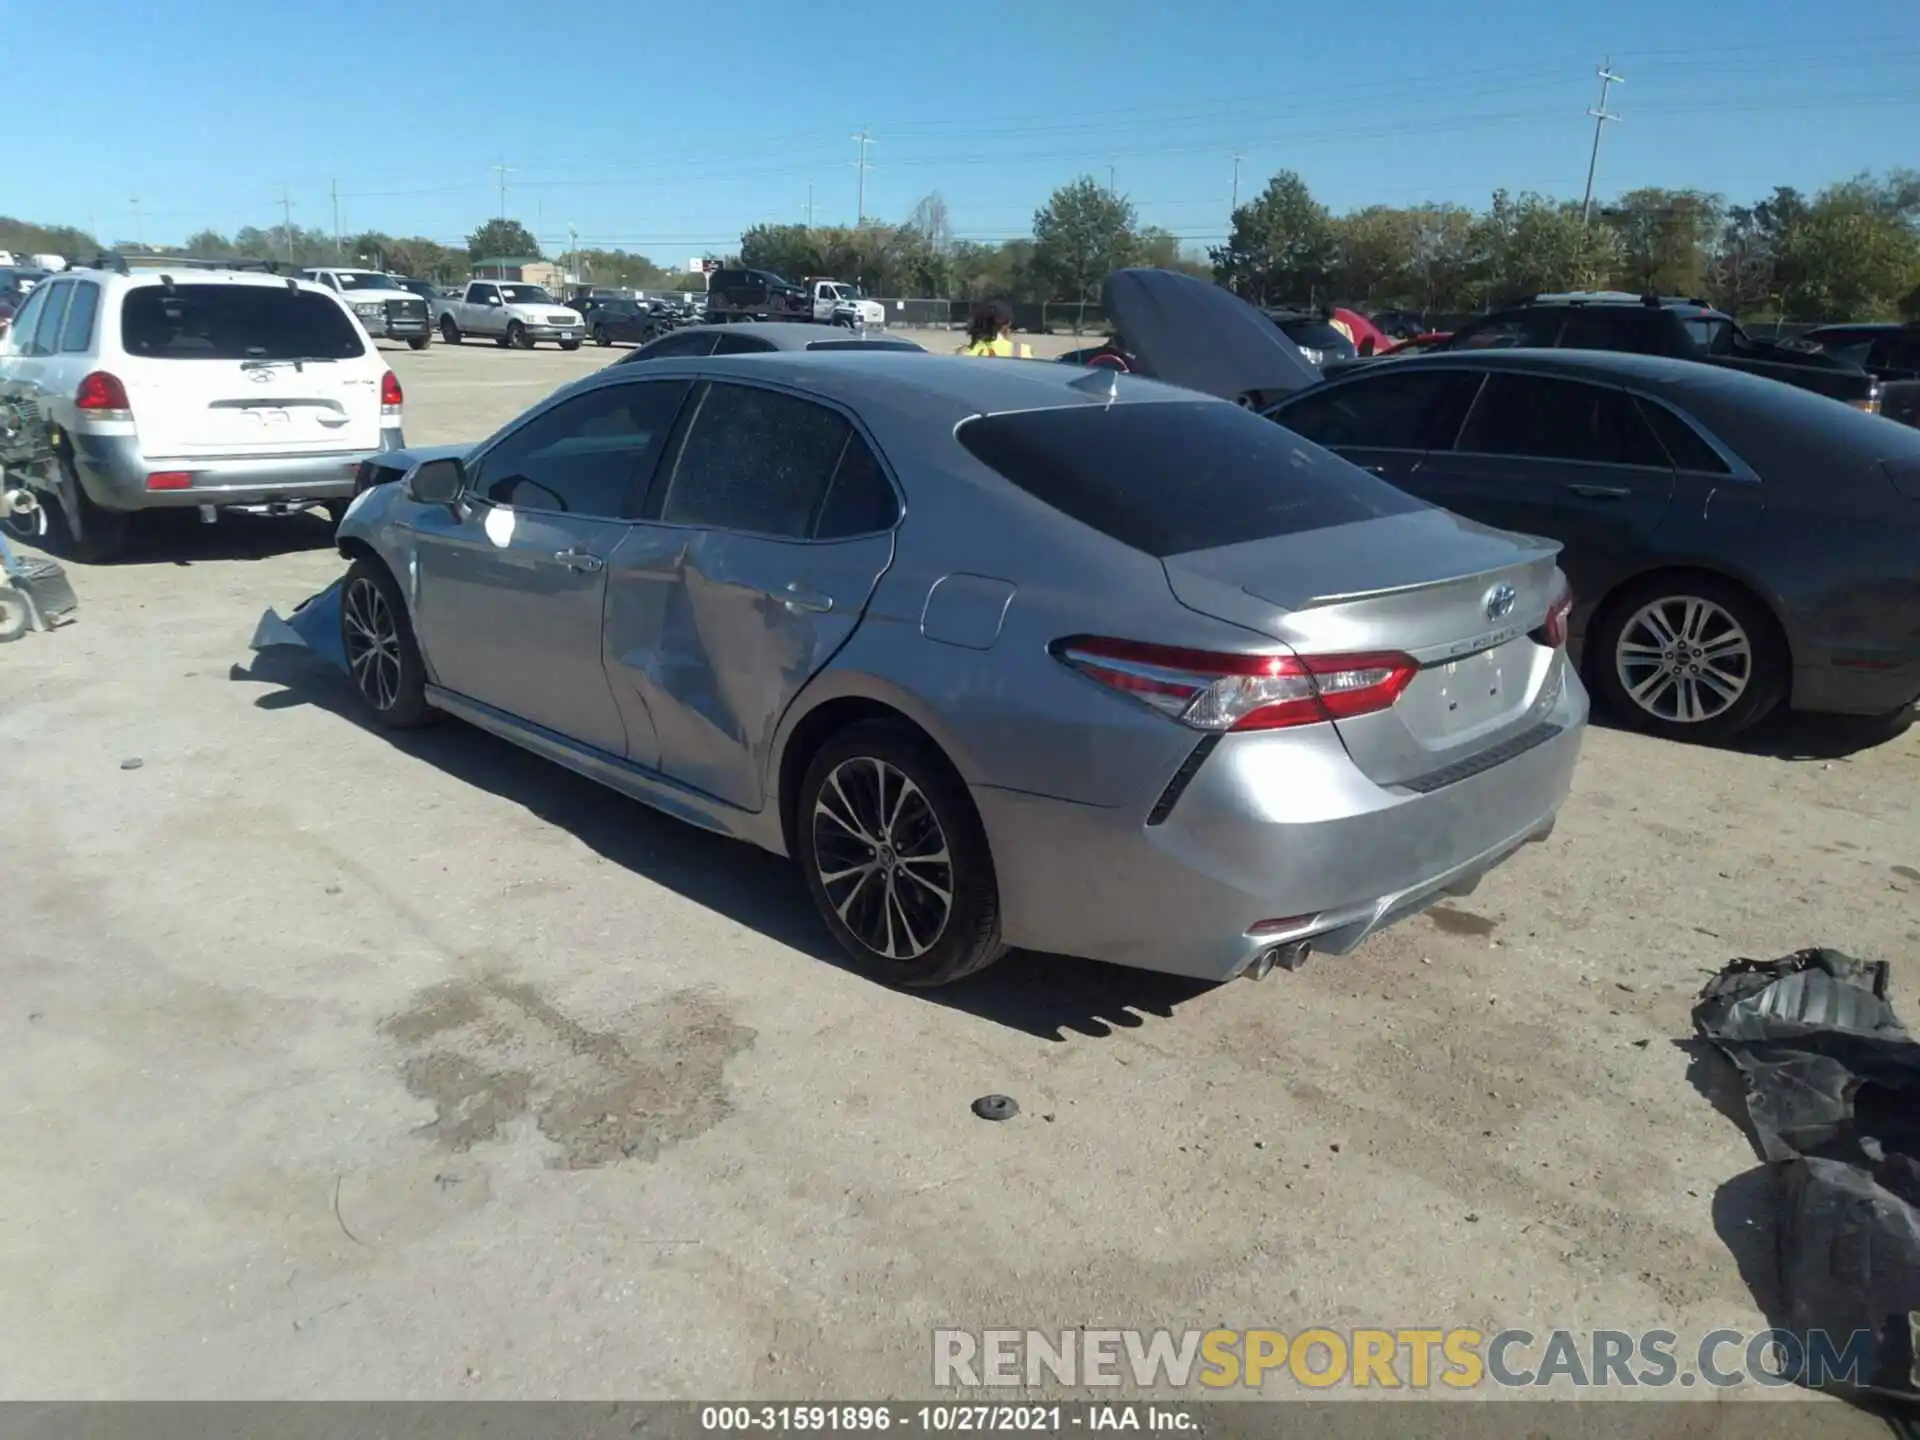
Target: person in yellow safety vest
990	333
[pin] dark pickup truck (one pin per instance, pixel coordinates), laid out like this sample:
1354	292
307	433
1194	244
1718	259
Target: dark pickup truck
1687	330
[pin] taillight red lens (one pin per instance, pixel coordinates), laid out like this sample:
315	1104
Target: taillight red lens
1555	630
1212	691
170	480
390	393
101	391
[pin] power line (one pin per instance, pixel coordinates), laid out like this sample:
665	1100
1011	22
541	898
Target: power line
1600	116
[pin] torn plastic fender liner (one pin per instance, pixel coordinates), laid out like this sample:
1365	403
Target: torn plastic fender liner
1833	1097
314	625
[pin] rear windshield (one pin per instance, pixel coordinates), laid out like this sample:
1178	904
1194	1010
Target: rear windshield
862	345
236	322
1167	478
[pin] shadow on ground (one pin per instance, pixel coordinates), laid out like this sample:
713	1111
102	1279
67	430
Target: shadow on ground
179	537
1789	735
1048	996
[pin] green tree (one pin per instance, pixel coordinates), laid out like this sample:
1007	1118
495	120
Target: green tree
1282	246
1080	236
210	244
1854	255
1375	252
1666	239
1535	244
499	239
789	251
1440	271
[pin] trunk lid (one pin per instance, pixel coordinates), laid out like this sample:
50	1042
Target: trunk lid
1458	597
1199	336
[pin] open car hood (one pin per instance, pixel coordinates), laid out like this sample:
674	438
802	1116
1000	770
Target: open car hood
1201	337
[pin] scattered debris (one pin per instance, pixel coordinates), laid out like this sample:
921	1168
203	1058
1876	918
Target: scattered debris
1832	1089
996	1107
132	763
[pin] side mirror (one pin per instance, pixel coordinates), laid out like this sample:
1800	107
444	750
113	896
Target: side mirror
437	482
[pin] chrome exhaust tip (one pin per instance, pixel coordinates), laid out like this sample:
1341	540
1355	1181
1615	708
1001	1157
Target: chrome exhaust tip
1287	957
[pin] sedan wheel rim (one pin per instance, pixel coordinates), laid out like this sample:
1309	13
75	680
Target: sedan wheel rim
1684	659
373	644
882	858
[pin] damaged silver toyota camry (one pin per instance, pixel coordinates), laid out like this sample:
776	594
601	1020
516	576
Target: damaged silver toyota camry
1000	654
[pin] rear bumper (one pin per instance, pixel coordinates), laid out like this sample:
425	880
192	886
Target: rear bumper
113	471
1839	689
1272	827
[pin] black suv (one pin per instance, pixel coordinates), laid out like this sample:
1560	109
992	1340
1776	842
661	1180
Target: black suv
755	295
1685	330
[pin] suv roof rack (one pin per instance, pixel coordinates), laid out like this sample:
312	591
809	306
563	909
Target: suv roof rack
123	264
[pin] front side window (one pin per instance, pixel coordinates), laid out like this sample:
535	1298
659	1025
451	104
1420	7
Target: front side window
1536	418
236	322
589	456
46	331
756	461
25	319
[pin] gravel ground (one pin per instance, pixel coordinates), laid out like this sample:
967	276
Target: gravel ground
340	1066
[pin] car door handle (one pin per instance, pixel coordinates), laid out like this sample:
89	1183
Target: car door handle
1601	492
797	598
579	560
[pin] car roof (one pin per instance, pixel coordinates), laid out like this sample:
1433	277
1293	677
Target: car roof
1862	327
785	334
947	387
157	274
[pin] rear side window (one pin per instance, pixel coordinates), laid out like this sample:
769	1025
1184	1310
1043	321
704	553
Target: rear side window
76	336
1528	415
1166	478
755	461
46	331
859	501
236	322
1681	442
1408	410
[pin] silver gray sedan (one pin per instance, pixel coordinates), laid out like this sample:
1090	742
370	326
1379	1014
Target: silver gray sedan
1000	654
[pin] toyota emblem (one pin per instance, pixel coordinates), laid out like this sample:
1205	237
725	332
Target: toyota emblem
1500	601
260	377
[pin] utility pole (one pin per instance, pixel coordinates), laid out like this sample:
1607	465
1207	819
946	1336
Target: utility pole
1109	179
863	140
809	205
334	190
1600	116
573	251
286	216
1236	183
135	203
501	171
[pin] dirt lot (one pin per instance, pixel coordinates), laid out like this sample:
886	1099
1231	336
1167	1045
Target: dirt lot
337	1066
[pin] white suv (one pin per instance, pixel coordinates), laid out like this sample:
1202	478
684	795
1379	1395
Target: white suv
184	385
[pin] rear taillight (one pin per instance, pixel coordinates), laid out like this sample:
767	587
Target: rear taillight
1871	404
1216	692
391	395
1553	631
170	480
102	396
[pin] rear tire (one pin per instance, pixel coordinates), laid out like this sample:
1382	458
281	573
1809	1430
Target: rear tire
895	857
1668	647
101	534
449	331
601	337
383	658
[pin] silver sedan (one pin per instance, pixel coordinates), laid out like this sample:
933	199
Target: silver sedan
1000	654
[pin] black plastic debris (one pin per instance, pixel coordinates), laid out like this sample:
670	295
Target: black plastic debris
996	1107
1833	1096
133	762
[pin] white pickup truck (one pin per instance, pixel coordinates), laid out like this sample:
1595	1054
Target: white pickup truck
509	312
835	302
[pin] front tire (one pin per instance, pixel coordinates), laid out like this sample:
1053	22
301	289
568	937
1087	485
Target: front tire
383	657
1688	657
601	337
569	344
419	342
516	336
895	857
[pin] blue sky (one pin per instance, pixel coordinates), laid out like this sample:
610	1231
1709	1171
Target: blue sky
659	129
